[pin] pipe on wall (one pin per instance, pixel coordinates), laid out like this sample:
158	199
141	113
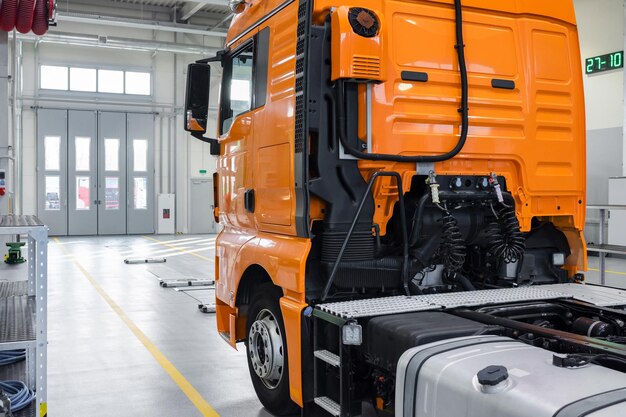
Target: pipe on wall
117	43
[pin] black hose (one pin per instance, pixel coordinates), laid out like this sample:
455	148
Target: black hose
505	239
453	247
418	218
463	110
465	282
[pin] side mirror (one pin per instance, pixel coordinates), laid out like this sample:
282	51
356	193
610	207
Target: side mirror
197	98
197	103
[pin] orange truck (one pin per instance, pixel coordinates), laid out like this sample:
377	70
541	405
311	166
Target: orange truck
398	177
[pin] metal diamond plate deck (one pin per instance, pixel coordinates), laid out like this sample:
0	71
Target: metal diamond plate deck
17	319
377	306
499	296
11	289
19	221
592	294
403	304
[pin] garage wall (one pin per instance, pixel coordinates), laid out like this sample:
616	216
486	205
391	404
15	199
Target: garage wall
177	155
601	31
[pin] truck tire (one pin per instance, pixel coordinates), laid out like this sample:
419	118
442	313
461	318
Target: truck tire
267	352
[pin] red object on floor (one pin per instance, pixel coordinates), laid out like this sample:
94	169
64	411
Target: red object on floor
25	13
8	14
40	21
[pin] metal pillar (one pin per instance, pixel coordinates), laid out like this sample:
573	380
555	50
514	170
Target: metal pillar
6	148
603	241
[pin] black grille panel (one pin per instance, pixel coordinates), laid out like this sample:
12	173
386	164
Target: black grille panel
300	131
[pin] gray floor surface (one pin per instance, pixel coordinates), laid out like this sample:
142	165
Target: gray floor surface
98	367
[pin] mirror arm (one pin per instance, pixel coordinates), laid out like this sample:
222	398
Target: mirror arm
219	57
215	145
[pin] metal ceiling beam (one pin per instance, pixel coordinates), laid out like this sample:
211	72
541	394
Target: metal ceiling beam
111	42
224	20
137	24
223	3
190	9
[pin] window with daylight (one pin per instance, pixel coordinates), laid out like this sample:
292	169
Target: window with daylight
53	78
95	80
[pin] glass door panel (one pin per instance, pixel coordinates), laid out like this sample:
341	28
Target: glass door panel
52	169
112	173
140	165
82	173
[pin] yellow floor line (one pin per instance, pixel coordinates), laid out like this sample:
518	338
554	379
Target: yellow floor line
206	258
608	271
185	386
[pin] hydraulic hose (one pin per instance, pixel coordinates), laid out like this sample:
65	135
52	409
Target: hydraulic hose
463	110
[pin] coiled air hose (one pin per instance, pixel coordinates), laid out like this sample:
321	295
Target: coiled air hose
505	239
9	357
25	13
19	394
41	17
8	15
452	245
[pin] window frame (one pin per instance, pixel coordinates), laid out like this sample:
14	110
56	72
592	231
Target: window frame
44	92
258	87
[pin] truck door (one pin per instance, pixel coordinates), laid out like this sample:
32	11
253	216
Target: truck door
236	130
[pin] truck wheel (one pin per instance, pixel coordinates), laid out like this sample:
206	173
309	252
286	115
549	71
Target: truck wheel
267	352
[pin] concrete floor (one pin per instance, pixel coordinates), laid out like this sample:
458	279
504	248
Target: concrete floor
113	331
99	367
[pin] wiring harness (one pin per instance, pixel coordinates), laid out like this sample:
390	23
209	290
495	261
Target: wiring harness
578	360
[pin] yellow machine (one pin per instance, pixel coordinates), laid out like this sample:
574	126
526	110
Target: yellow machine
372	149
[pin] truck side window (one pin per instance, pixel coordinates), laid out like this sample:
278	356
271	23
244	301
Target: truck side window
245	80
238	86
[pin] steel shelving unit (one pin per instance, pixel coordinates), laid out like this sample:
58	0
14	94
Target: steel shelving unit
603	248
24	312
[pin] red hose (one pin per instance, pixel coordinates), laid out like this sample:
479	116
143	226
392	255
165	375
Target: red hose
40	21
8	13
25	12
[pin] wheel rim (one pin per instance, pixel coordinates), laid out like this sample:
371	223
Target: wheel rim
265	348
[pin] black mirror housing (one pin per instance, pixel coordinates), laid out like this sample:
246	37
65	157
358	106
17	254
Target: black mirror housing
197	97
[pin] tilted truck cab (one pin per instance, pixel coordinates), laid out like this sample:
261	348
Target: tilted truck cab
397	176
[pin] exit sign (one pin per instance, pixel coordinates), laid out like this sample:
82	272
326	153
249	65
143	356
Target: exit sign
604	62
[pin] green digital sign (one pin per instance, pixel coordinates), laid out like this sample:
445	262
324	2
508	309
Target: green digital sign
604	62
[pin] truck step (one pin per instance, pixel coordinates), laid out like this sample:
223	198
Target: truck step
328	357
329	405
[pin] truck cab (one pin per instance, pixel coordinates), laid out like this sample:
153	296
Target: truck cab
376	154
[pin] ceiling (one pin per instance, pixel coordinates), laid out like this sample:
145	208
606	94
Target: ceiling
194	11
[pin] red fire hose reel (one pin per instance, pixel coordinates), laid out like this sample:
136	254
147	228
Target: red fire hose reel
27	15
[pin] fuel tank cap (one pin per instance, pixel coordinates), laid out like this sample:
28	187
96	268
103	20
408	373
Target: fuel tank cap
493	375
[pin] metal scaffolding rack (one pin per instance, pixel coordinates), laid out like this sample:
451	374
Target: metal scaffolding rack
24	312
